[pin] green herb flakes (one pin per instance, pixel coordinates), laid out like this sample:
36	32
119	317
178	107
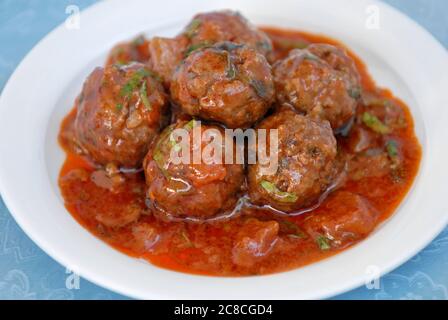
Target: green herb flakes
144	96
192	28
374	123
323	243
259	88
279	195
195	47
134	82
392	149
291	229
231	69
190	125
355	93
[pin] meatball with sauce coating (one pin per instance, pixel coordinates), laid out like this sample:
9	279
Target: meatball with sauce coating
165	55
339	60
205	29
120	111
212	27
306	163
127	52
194	190
227	83
320	81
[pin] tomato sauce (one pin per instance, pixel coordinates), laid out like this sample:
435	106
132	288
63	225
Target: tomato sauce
380	171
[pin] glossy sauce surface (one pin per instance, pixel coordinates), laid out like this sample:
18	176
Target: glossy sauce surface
380	169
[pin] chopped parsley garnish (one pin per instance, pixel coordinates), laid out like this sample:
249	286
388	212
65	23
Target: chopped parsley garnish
158	155
231	69
144	96
355	92
374	123
119	63
143	73
398	174
397	170
159	159
229	46
312	57
139	40
281	196
257	85
259	88
119	106
190	124
174	144
392	149
265	45
291	229
323	242
196	46
192	28
134	82
128	88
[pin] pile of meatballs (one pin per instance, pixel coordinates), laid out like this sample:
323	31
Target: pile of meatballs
219	70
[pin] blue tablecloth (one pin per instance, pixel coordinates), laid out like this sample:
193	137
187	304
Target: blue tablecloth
26	272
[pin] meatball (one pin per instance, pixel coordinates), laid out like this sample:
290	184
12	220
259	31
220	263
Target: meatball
194	190
210	28
127	52
320	81
120	111
228	83
338	59
165	55
307	163
204	30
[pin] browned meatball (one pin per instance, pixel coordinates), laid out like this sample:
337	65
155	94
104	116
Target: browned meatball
228	83
166	54
320	81
306	163
127	52
338	59
212	27
120	110
190	190
204	30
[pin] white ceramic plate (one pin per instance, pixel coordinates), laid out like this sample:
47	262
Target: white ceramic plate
400	55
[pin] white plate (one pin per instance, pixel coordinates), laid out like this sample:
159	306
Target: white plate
400	55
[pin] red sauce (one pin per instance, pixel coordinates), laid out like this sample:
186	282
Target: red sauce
209	248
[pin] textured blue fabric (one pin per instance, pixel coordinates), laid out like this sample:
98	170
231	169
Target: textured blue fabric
26	272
